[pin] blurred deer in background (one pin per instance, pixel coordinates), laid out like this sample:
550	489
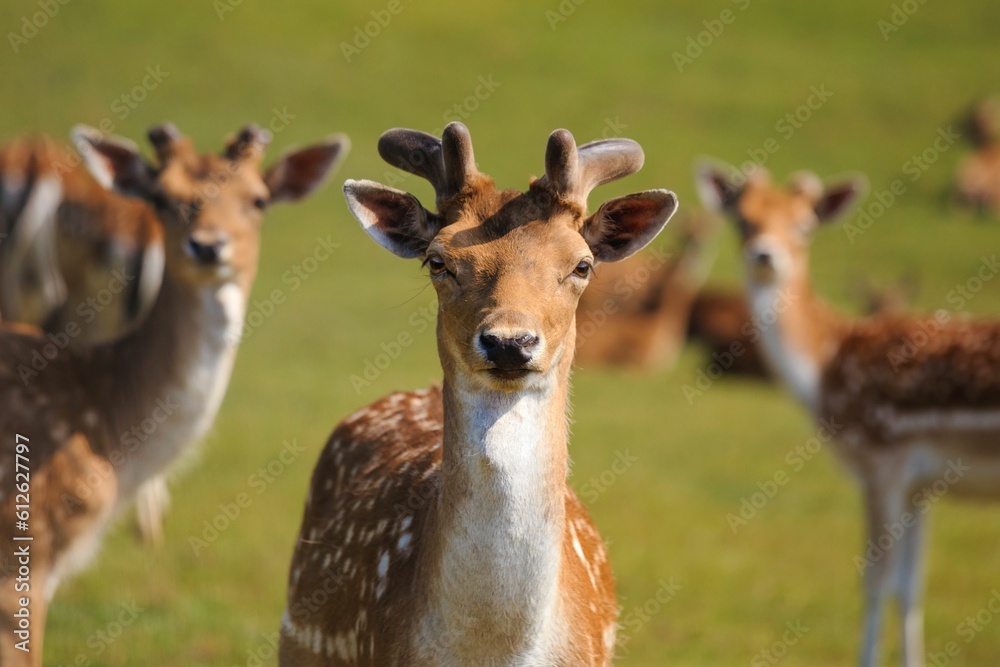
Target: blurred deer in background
912	404
101	419
886	299
76	258
635	313
440	520
977	179
640	312
720	322
78	261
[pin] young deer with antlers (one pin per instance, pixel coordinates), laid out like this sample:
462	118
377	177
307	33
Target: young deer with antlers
439	528
913	403
102	419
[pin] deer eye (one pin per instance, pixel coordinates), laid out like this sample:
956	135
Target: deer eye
435	265
583	269
259	203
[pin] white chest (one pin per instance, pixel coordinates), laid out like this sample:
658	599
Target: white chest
787	360
181	412
495	596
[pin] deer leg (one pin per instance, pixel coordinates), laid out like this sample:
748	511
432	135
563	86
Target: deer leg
884	504
151	503
910	590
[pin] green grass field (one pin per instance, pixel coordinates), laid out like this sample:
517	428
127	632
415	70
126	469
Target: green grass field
603	68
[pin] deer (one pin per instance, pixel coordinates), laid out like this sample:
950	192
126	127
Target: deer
977	177
439	528
911	402
77	260
67	238
94	423
720	322
635	313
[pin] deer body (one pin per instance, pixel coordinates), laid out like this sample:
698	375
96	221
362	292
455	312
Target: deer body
441	608
439	529
102	419
913	403
157	375
720	320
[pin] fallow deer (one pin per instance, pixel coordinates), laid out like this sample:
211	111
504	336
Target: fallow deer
78	261
635	313
977	179
720	322
101	420
913	403
439	528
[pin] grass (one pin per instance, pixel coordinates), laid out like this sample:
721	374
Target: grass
607	65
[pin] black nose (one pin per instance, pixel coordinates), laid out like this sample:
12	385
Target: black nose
205	253
508	353
763	258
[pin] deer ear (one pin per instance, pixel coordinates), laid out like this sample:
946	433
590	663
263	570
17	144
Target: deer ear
719	185
624	225
298	174
838	198
114	162
395	219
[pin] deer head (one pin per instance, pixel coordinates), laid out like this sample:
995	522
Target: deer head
508	266
775	222
211	205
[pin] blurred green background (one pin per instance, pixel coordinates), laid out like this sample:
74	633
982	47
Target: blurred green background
598	68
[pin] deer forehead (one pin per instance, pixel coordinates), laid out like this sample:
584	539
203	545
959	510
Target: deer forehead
208	178
774	208
495	247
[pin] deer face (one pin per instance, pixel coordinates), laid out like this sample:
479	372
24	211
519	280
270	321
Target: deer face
211	206
775	222
508	267
508	287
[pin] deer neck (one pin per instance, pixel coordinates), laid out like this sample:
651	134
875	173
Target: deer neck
501	515
798	333
169	375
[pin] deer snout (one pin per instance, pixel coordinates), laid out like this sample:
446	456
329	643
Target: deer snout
762	258
766	260
207	249
508	350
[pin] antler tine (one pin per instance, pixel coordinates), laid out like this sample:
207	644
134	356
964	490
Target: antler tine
459	160
561	161
415	152
448	163
572	172
608	160
250	141
164	139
